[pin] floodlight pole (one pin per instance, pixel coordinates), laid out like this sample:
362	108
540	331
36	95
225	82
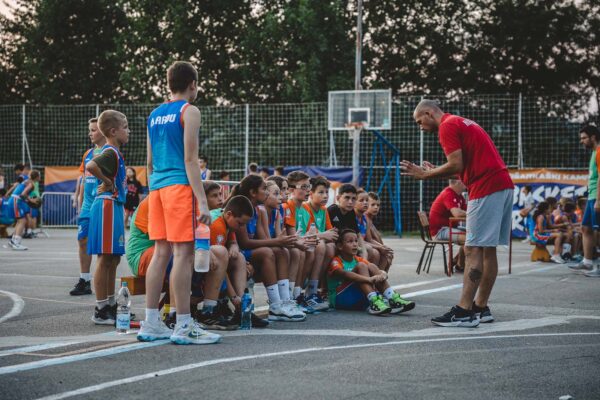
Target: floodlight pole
357	86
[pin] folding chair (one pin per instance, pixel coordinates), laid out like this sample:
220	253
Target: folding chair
430	244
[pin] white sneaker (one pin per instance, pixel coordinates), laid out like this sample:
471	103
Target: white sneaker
595	273
526	240
150	331
581	267
285	312
557	259
192	333
17	246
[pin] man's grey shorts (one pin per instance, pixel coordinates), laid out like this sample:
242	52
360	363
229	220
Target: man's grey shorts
489	220
444	233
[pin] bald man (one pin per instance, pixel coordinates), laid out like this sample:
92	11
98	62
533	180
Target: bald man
472	156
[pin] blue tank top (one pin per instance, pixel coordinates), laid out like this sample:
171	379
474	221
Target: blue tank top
272	220
362	226
251	225
120	179
165	130
90	182
19	189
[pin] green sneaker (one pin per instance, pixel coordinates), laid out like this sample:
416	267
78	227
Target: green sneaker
399	305
378	306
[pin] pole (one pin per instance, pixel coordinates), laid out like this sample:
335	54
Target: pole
520	133
246	160
97	110
357	86
23	135
421	151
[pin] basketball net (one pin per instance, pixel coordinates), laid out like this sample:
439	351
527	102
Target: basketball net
354	129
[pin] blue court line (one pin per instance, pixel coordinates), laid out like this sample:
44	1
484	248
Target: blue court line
79	357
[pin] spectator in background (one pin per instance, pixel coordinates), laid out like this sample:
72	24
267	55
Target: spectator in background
581	203
19	168
224	176
264	172
252	169
26	170
134	190
205	173
278	171
528	206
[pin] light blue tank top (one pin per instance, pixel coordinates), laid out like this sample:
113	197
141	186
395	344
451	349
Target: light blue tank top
90	182
165	130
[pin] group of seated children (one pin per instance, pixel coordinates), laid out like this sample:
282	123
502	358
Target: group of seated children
558	223
20	205
279	231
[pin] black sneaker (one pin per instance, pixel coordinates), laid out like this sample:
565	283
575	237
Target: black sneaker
223	308
483	313
170	320
81	287
255	320
104	316
215	321
457	317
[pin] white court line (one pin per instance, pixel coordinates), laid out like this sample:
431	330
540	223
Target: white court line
38	347
79	357
17	307
188	367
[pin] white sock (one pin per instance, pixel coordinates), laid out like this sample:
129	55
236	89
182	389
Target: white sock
273	294
292	286
101	303
111	300
389	292
312	288
17	239
284	289
172	311
587	261
29	230
371	295
297	291
208	305
152	315
86	276
183	319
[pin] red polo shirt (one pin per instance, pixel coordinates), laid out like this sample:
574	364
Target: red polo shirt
484	172
440	214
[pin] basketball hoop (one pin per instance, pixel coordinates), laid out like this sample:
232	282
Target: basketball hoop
354	129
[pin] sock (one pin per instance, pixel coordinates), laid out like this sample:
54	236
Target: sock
111	300
371	295
86	276
292	286
16	239
172	311
209	306
284	289
297	291
152	315
273	294
313	286
101	303
29	231
587	261
183	319
389	292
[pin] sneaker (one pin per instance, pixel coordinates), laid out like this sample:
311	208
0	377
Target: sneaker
103	316
581	267
301	303
526	240
399	305
28	235
316	303
153	330
285	312
556	258
223	308
215	321
457	317
577	258
16	246
170	320
192	333
378	307
595	273
81	287
483	313
113	310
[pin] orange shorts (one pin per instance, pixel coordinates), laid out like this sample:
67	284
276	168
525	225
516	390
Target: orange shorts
172	211
145	261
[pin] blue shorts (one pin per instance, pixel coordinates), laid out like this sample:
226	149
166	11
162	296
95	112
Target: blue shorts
350	297
589	216
18	208
35	212
247	254
106	230
83	227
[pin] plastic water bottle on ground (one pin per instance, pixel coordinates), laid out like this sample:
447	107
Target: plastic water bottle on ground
312	231
202	245
123	322
246	308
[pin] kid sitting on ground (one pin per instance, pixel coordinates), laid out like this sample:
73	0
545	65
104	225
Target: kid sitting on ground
376	252
541	234
356	284
371	214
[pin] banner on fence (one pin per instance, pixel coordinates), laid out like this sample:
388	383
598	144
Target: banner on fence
64	179
544	183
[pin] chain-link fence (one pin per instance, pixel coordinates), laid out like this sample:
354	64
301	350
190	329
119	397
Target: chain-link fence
529	131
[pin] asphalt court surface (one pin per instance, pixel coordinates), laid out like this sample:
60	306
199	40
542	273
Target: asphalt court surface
544	344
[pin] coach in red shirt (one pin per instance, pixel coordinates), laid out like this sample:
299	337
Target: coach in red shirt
471	154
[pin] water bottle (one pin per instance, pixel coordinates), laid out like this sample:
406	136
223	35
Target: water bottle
312	231
246	308
123	309
202	254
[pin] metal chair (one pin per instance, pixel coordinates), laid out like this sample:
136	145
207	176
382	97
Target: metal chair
430	244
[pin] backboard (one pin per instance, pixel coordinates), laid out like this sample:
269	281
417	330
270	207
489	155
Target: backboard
371	108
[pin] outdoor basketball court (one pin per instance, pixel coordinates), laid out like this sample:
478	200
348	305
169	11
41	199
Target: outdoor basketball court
545	342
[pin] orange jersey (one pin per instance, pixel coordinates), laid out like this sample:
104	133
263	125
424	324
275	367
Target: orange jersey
337	263
318	224
289	208
220	234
